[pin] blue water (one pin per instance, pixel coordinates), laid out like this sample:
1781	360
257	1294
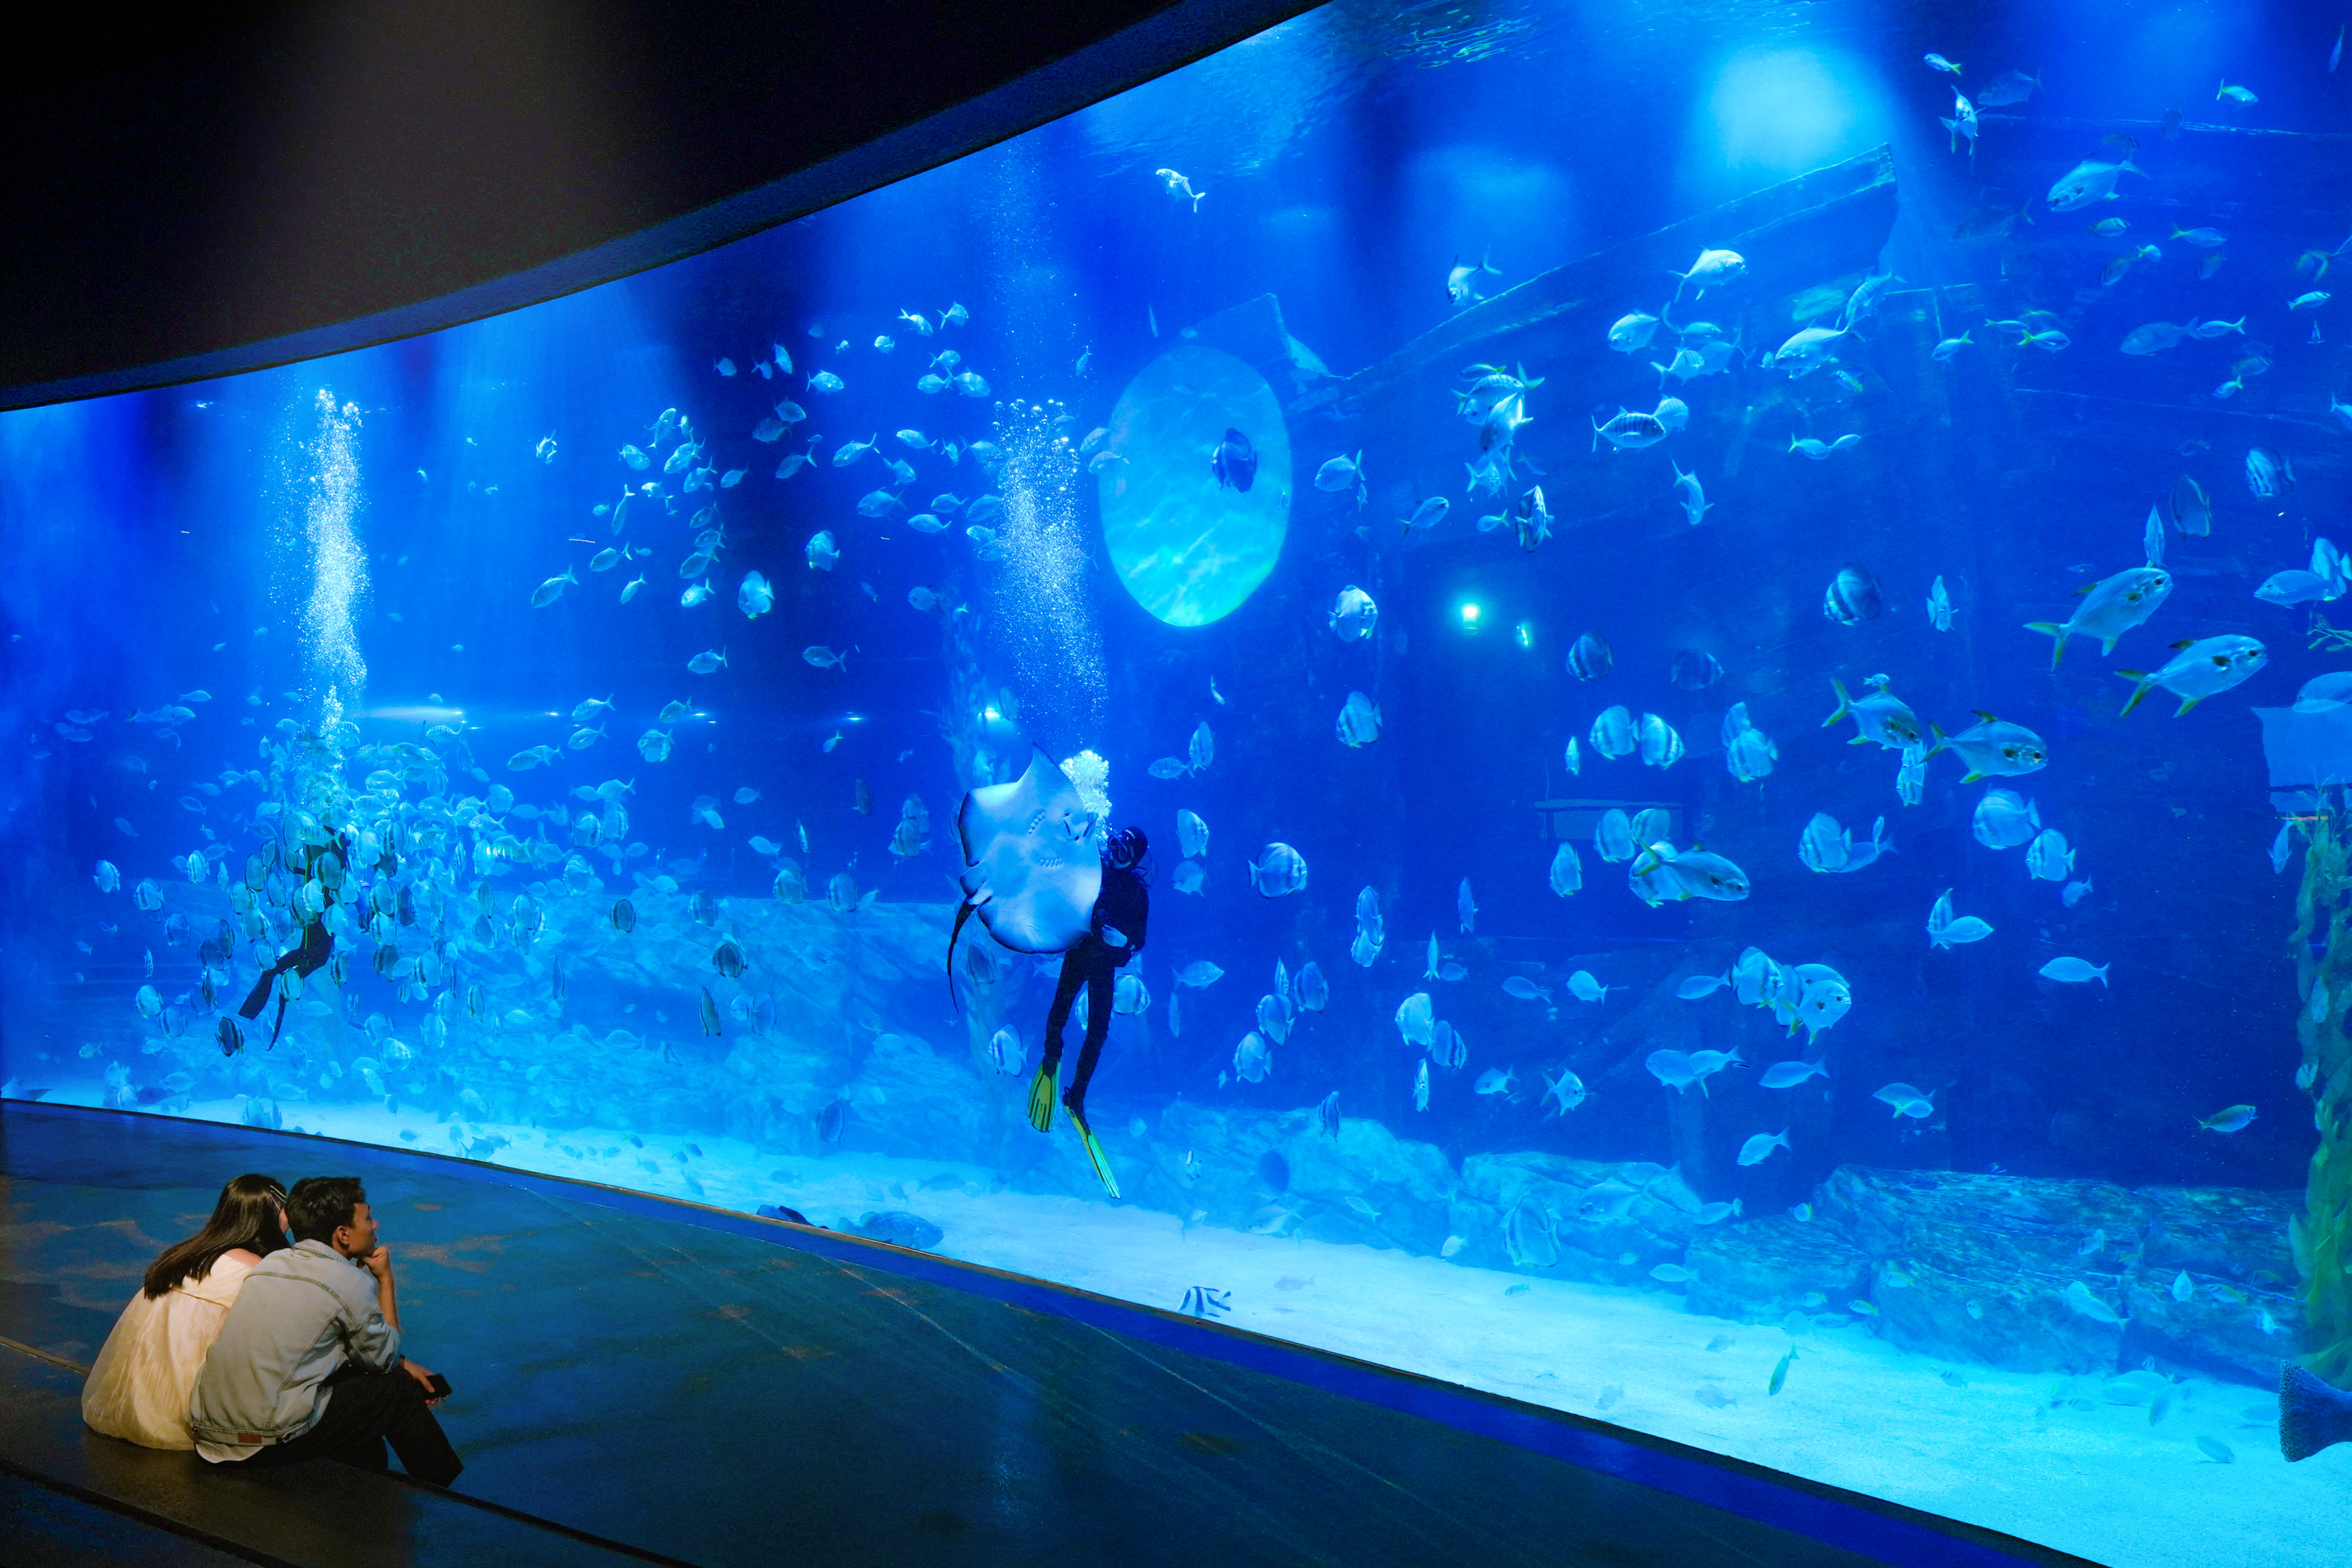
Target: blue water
342	557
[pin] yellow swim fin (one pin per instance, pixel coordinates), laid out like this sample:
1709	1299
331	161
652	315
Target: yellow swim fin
1100	1161
1041	1099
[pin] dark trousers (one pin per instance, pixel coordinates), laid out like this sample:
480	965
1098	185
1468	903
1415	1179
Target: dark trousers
1093	963
365	1409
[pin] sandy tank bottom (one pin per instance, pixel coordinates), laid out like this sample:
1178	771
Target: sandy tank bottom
2036	1454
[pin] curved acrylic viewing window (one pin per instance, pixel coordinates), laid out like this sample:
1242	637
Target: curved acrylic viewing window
1730	666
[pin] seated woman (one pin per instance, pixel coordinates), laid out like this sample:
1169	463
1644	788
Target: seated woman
139	1389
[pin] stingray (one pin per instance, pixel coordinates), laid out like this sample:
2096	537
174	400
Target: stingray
1031	871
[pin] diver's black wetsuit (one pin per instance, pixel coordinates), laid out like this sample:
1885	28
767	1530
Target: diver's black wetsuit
1123	906
317	945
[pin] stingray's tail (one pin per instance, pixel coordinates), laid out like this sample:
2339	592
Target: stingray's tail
963	913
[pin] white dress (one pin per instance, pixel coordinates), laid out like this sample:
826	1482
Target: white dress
139	1388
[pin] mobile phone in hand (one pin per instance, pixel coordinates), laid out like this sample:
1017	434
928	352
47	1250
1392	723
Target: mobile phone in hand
439	1385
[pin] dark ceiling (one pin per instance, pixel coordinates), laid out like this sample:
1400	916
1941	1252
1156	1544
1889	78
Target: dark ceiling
208	190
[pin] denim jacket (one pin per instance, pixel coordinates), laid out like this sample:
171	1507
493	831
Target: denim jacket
302	1313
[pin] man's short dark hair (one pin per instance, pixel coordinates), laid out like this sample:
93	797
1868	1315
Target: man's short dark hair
318	1206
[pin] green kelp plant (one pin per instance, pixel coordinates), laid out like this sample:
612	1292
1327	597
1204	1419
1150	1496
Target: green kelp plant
2322	1236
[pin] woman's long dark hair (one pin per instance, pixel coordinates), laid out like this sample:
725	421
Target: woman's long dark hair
246	1217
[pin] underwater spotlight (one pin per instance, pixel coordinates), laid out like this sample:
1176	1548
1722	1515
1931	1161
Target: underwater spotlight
1469	617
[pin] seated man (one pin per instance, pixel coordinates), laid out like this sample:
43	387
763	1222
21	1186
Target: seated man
307	1364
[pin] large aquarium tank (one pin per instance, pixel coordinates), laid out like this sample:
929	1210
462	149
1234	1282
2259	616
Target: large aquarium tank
1719	619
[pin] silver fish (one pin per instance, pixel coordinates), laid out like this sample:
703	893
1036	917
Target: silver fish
1661	746
1806	350
1661	873
1628	431
1614	734
2003	820
1945	930
1748	752
2199	669
1993	748
1712	269
2268	475
1882	716
1278	870
2192	509
1612	837
2087	182
1353	614
1590	658
2110	607
1852	596
1632	332
1567	874
1695	504
547	593
2047	858
2011	87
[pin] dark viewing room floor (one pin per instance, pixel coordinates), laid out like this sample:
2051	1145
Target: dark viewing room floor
643	1380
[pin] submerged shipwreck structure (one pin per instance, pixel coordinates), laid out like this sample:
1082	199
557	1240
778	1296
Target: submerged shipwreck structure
2322	1233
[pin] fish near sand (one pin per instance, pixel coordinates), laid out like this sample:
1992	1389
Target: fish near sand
2079	1297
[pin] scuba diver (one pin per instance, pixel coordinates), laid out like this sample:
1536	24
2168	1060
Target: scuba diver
309	955
1115	934
1033	877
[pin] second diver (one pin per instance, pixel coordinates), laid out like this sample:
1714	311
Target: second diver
1114	936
